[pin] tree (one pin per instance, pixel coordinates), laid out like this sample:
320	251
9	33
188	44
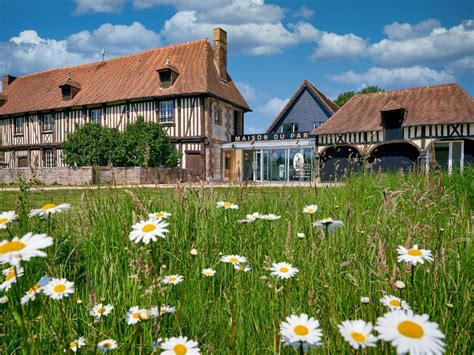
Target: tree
346	96
147	145
90	145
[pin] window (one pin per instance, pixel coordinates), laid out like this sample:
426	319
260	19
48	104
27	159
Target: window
217	116
19	125
96	116
66	91
392	123
289	128
22	162
48	122
49	158
166	111
165	79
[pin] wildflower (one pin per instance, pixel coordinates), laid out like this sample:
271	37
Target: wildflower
310	209
179	345
245	221
242	267
59	288
253	216
3	299
208	272
106	345
410	333
301	331
133	315
7	217
33	291
364	300
164	309
144	314
270	217
227	205
233	259
48	209
77	344
194	252
100	310
328	224
11	275
159	215
173	279
300	235
357	333
283	270
414	255
394	303
148	231
400	285
23	249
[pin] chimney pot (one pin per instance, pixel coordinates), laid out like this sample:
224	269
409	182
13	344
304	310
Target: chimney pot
220	52
7	80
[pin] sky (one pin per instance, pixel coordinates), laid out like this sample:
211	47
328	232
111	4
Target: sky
338	45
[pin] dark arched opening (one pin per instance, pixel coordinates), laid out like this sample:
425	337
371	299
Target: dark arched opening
339	161
394	157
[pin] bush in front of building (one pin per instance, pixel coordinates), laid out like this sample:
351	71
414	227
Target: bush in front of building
142	144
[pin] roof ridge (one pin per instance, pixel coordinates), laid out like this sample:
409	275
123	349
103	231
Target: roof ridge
408	89
115	58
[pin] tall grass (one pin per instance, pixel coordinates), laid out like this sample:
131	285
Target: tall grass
237	312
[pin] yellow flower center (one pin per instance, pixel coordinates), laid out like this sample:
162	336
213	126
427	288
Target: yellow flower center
208	273
301	330
180	349
284	269
227	204
48	206
34	289
395	303
73	345
233	260
411	329
59	288
358	337
136	315
414	252
172	278
3	220
147	228
101	310
159	214
9	247
11	274
107	345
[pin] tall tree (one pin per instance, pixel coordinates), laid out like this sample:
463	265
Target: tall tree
347	95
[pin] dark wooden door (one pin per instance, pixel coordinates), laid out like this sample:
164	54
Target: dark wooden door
22	162
193	164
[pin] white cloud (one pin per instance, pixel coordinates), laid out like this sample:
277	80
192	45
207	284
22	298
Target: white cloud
403	31
398	77
463	66
85	6
334	46
273	107
304	12
115	39
247	91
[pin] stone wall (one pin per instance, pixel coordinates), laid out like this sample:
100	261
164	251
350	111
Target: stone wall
92	175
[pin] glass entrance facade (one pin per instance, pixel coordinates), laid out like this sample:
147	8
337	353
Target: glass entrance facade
278	165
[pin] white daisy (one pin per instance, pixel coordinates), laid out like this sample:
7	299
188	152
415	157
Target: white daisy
310	209
164	309
59	288
301	331
28	246
270	217
148	230
242	267
77	344
7	217
30	295
410	333
11	275
283	270
107	345
393	303
245	221
328	224
100	310
227	205
172	279
208	272
133	315
414	255
179	346
357	333
159	215
49	209
253	216
233	259
300	235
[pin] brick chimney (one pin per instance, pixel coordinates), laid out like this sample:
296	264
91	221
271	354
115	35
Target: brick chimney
7	80
220	52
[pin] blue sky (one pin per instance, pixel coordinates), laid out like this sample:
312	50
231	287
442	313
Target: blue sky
274	45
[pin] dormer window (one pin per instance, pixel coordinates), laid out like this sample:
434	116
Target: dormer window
168	75
392	122
69	88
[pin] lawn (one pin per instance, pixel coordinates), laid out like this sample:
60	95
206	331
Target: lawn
237	311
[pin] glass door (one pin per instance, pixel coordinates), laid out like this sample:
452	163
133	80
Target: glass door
257	165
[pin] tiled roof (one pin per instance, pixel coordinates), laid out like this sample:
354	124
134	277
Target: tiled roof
447	103
124	78
328	104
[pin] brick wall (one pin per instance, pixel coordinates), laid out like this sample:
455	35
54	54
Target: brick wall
91	175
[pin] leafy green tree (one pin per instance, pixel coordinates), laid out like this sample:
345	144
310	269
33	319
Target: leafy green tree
147	145
92	144
346	96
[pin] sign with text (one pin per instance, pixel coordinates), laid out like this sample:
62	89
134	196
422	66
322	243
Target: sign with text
270	137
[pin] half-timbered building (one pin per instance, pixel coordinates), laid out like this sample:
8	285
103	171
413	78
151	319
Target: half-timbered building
428	127
185	87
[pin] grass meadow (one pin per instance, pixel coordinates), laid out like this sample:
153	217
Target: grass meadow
236	312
